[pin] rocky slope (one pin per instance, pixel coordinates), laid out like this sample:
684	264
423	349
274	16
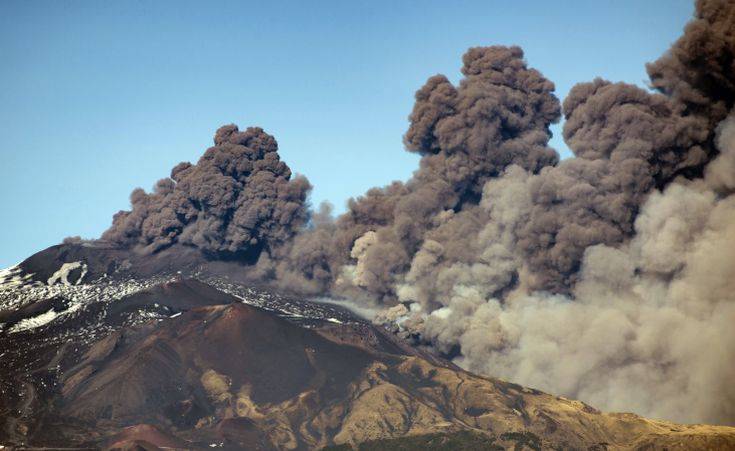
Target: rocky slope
96	355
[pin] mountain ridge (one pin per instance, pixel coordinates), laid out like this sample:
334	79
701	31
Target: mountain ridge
177	361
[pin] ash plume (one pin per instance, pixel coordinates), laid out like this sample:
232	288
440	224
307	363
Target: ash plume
609	276
606	277
648	325
238	200
595	277
626	142
698	69
498	116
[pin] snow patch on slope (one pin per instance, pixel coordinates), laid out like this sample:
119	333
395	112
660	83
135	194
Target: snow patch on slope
12	277
62	275
42	319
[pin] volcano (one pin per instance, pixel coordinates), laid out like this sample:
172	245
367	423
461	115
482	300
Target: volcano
101	349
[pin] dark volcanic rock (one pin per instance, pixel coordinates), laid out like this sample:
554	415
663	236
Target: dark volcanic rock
104	259
173	362
160	372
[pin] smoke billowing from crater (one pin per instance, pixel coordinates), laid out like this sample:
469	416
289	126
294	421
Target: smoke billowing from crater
236	201
626	142
606	277
498	117
648	325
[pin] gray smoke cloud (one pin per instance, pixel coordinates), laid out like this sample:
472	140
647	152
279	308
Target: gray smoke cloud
238	200
648	325
606	277
498	116
626	142
697	70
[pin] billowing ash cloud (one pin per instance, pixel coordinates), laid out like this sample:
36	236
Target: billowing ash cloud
698	69
607	277
648	325
236	201
626	142
610	276
498	116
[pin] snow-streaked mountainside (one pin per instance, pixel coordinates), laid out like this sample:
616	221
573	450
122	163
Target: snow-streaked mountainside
21	293
100	348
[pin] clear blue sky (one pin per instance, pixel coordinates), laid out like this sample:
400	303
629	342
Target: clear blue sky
99	97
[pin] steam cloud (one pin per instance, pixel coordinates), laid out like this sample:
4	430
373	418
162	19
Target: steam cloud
608	277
